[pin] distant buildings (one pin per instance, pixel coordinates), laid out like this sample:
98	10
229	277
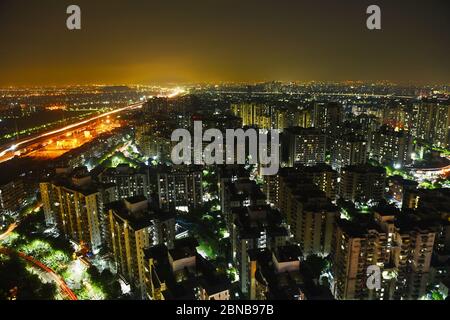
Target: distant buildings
322	176
304	146
398	116
155	147
129	181
182	273
392	147
433	122
156	105
90	153
19	183
272	116
362	183
328	117
153	137
253	114
221	122
348	150
134	226
178	187
153	130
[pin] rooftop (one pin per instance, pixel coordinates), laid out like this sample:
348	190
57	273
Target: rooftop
139	219
184	283
364	168
288	253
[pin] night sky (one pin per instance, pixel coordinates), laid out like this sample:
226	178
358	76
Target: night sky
180	41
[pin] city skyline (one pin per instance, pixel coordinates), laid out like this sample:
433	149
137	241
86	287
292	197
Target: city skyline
90	171
251	150
159	42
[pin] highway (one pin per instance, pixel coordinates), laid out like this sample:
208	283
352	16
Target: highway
8	151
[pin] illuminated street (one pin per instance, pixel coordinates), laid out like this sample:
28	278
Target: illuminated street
9	151
8	231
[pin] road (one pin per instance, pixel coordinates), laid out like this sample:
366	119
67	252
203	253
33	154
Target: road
8	151
15	224
49	272
8	231
55	277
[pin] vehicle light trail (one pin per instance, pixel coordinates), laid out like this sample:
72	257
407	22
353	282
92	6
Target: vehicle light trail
8	231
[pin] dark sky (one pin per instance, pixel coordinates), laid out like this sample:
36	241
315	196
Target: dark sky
160	41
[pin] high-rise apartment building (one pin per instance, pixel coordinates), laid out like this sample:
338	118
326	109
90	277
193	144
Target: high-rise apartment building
310	214
362	183
433	122
178	187
390	146
240	193
12	195
75	203
275	274
322	176
368	124
303	118
134	226
129	181
328	117
265	116
303	146
348	150
397	243
254	227
254	114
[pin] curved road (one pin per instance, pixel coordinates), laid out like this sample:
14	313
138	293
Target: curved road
8	231
55	277
14	225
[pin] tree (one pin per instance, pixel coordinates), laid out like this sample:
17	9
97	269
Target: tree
107	281
16	281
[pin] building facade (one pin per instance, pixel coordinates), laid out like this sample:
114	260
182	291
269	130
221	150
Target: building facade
392	147
304	146
75	203
362	184
134	226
